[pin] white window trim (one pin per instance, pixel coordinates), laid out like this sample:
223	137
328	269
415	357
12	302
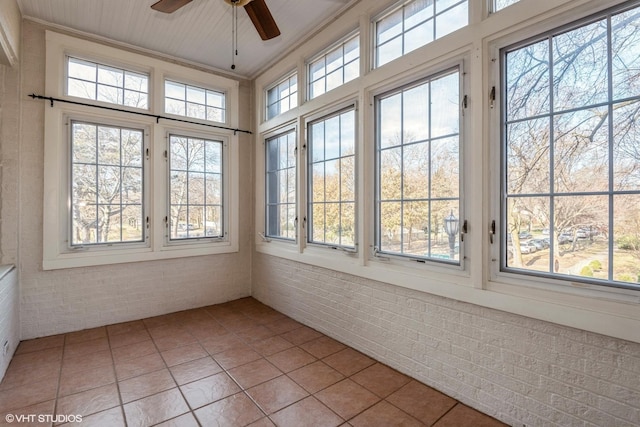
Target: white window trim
55	216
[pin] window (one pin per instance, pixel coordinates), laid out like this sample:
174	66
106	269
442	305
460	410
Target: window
100	82
107	185
332	180
335	68
501	4
192	101
415	24
418	169
283	96
571	188
281	186
195	187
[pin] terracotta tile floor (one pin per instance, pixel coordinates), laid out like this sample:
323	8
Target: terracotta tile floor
234	364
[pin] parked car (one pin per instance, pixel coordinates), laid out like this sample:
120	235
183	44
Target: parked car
565	238
527	248
540	243
525	235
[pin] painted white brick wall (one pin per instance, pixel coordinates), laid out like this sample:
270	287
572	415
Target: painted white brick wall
9	316
520	370
72	299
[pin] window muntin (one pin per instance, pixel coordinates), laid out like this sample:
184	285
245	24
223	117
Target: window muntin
332	172
281	218
195	188
193	101
415	24
282	97
335	68
570	132
90	80
107	185
418	168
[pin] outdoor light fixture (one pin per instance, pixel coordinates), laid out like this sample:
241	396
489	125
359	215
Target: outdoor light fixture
451	224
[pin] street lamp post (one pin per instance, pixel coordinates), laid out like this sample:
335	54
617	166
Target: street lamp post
451	224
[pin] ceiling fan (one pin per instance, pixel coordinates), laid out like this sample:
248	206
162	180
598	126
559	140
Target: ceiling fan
256	9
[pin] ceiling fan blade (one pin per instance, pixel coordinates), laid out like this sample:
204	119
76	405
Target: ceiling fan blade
169	6
262	19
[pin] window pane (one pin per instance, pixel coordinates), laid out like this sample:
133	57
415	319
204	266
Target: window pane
107	184
100	82
418	183
281	186
332	180
572	169
195	102
334	68
195	188
452	19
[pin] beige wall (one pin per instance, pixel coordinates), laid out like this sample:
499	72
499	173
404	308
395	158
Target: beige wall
72	299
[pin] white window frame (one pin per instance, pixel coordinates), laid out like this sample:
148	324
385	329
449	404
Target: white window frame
493	5
56	220
323	55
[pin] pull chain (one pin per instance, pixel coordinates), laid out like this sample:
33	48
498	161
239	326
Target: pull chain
234	34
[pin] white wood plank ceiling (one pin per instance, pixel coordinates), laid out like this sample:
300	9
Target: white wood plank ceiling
199	32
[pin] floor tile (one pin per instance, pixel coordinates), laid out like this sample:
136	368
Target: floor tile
89	402
183	354
27	395
291	359
347	398
223	343
270	346
380	379
44	408
86	335
257	333
462	415
262	422
155	409
195	370
185	420
39	372
235	410
422	402
204	330
71	383
138	366
110	418
277	393
84	363
131	351
322	347
208	390
128	338
240	324
316	376
121	328
384	414
145	385
173	340
26	360
283	325
348	361
86	347
301	335
236	357
309	412
254	373
37	344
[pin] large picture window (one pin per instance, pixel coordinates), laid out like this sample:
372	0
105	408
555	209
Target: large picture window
195	187
571	187
418	169
415	24
107	184
281	221
332	180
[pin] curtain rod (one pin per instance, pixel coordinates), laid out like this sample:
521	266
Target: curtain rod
155	116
